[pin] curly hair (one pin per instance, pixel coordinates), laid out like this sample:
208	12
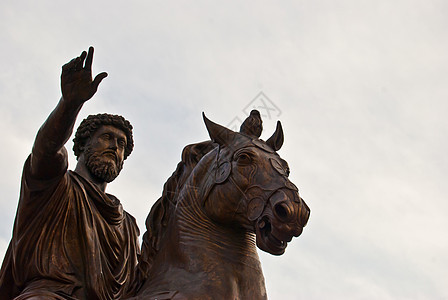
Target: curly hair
93	122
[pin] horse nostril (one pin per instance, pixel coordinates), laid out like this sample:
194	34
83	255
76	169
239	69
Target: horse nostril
282	211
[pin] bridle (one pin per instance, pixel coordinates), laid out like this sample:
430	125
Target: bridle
260	202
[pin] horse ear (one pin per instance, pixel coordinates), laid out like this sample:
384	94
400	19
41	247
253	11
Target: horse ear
276	140
219	134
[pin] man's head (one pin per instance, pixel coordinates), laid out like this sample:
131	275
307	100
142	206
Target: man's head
105	141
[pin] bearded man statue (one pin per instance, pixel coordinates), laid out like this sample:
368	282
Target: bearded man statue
72	240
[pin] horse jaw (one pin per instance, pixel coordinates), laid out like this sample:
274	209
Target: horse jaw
265	240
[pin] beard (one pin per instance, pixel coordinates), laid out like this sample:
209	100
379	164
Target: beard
100	167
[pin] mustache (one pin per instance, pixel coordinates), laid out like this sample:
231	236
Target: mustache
108	152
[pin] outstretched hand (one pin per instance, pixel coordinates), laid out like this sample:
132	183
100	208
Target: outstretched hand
76	79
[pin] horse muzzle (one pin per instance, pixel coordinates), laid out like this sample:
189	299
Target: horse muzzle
283	218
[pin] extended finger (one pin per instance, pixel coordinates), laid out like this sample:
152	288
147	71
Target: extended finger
89	58
98	79
82	57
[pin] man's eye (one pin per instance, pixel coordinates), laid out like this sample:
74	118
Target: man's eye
106	136
122	143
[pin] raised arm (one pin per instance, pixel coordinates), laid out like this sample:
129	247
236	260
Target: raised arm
49	156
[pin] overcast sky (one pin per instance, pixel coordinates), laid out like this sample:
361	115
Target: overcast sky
359	85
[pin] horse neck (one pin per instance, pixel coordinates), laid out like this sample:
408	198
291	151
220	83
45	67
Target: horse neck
198	232
199	257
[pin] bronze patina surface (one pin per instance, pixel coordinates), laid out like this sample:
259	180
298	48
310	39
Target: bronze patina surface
226	197
72	240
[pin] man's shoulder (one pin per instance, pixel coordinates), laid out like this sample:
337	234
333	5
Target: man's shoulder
34	183
130	217
132	223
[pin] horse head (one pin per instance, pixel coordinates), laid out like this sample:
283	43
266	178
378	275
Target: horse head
250	188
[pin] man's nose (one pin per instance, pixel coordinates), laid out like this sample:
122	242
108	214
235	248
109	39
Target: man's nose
113	143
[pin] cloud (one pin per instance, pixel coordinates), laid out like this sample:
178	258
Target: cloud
361	86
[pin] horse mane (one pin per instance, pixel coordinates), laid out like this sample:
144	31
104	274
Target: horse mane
163	209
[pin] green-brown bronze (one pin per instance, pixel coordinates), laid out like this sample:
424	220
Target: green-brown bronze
225	197
72	240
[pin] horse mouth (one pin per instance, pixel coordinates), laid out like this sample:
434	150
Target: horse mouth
266	240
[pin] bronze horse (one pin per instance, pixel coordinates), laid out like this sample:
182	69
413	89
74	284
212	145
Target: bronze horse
226	196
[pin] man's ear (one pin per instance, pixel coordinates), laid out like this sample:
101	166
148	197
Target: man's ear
82	148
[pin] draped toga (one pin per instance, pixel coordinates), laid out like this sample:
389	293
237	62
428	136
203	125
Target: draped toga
70	241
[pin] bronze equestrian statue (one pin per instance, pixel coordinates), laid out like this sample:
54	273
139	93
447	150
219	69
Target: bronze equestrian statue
71	240
226	197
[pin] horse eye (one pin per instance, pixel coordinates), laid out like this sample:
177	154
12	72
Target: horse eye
244	159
